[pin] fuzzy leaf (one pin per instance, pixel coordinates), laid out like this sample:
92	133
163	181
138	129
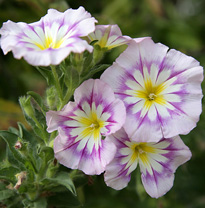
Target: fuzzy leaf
63	179
5	194
47	74
9	173
11	140
12	160
37	98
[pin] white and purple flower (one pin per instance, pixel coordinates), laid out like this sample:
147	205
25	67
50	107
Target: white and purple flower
161	90
82	124
50	40
108	36
157	162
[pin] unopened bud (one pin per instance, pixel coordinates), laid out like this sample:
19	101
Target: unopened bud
18	145
26	106
51	97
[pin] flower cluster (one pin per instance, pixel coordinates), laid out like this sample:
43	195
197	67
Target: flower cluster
131	116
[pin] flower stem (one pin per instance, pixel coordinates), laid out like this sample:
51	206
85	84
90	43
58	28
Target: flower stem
57	84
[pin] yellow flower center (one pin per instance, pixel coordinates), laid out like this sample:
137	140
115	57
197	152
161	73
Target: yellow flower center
49	43
92	125
151	93
140	151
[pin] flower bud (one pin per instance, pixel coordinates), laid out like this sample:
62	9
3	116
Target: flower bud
18	145
51	97
26	105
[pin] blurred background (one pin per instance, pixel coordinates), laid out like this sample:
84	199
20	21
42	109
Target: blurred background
179	24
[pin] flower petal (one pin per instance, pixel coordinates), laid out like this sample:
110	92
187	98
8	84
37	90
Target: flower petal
158	162
108	36
49	40
81	124
91	163
161	90
160	181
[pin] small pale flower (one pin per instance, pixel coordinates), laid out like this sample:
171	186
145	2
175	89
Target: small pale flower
108	36
49	40
157	162
161	90
82	125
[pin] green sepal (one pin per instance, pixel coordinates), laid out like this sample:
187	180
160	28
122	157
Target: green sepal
62	179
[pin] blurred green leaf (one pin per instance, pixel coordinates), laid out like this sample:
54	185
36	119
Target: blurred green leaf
41	203
5	194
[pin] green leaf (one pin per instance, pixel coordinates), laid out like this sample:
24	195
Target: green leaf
47	153
38	125
41	203
28	136
38	100
71	78
11	140
5	194
47	74
9	173
63	179
12	160
13	130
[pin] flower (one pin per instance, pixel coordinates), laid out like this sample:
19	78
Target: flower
157	162
49	40
82	124
108	36
161	90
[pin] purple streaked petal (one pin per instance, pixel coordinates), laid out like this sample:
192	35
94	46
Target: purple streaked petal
81	124
162	94
49	40
108	36
158	162
54	119
93	163
91	91
159	183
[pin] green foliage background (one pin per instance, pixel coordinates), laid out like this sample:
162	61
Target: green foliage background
179	24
